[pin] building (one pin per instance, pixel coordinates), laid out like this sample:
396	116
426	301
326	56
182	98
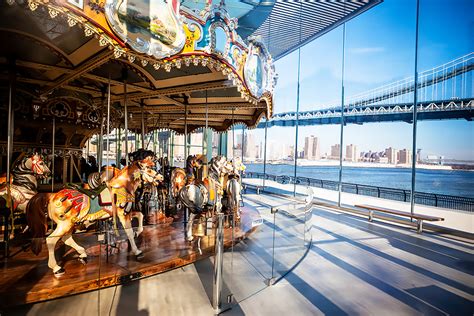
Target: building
335	151
250	148
312	148
391	154
351	153
404	156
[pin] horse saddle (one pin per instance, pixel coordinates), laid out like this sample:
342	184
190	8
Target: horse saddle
105	198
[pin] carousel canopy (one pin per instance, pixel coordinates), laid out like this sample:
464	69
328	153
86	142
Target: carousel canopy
161	60
169	64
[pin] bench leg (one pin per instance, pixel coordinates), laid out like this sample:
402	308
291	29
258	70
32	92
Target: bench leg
419	226
371	216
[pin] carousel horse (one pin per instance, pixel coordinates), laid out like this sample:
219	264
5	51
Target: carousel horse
24	183
181	177
199	196
69	208
176	184
233	187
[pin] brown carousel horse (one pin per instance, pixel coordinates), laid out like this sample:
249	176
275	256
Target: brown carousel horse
69	207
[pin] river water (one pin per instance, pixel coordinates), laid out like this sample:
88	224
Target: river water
449	182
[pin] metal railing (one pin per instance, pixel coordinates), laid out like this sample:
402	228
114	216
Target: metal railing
422	198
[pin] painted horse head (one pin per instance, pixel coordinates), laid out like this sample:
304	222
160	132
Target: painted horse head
219	166
32	164
148	174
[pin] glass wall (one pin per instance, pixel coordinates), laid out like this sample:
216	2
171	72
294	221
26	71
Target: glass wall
377	68
320	88
444	147
378	75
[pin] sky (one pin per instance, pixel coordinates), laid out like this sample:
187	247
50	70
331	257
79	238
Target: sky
380	48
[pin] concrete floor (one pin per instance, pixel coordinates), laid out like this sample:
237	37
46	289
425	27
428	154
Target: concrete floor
353	267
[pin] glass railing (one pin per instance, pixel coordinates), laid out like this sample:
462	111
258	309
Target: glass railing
279	236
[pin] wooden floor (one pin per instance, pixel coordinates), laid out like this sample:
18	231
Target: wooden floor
26	278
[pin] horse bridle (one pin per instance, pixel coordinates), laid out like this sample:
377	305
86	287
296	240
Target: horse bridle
35	165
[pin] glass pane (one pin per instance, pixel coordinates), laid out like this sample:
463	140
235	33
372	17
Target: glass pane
252	253
378	81
178	151
165	244
289	243
445	151
27	278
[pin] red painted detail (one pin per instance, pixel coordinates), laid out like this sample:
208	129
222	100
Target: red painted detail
76	198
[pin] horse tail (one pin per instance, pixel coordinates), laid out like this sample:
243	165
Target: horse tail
36	215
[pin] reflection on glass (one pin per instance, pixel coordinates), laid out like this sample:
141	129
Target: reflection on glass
379	68
445	151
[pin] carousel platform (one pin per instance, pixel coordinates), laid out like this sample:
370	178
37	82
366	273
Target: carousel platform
26	278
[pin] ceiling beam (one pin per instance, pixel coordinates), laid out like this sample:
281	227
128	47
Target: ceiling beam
203	116
87	66
214	85
202	106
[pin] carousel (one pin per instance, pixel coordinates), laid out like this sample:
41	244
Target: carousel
93	92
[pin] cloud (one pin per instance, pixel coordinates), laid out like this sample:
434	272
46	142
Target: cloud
366	50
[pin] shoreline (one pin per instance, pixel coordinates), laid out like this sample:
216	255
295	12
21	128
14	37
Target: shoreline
335	163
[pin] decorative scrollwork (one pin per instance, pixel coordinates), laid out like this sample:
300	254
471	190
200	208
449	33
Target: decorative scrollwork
60	109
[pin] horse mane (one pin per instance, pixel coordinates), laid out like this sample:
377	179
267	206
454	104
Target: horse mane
140	154
20	173
19	160
213	169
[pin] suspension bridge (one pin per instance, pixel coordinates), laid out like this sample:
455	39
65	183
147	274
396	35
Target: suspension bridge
443	92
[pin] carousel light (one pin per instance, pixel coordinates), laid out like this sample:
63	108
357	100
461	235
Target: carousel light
144	62
10	2
187	61
218	67
52	13
156	66
131	58
32	5
204	62
168	67
195	61
178	63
